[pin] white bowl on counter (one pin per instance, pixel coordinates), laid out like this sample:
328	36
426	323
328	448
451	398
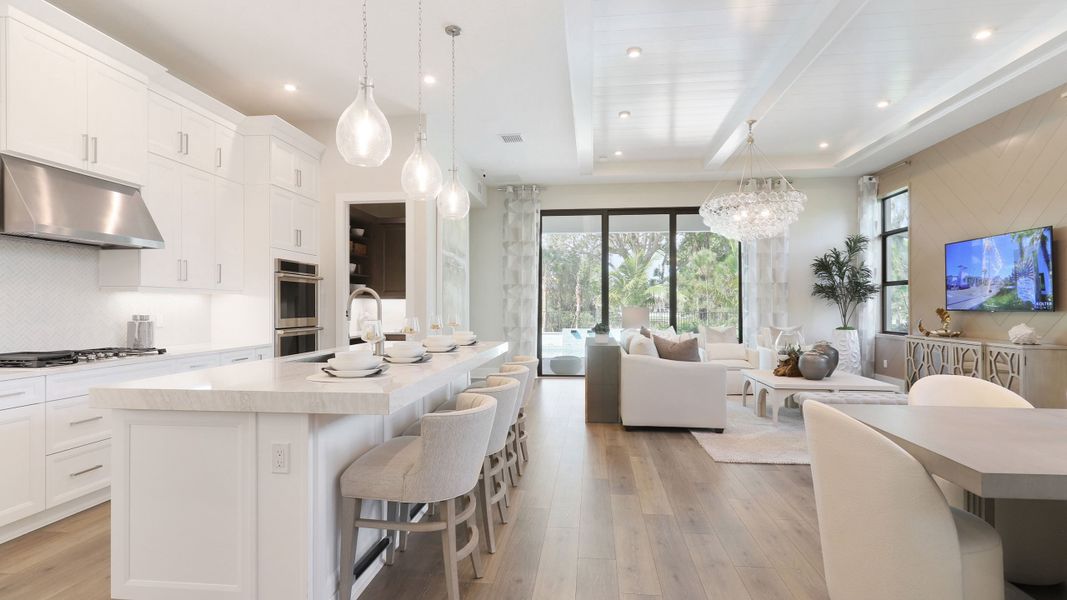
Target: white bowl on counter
406	349
464	337
357	360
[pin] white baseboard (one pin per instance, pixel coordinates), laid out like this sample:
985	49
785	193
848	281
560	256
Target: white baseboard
51	515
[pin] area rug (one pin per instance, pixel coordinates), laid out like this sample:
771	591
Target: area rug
752	439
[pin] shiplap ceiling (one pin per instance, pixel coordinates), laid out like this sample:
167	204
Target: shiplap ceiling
556	71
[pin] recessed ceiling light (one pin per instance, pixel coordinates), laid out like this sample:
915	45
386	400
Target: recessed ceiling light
618	153
289	87
882	103
824	145
633	52
983	34
624	114
429	80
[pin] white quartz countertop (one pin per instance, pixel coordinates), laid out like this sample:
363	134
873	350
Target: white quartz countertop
280	385
172	353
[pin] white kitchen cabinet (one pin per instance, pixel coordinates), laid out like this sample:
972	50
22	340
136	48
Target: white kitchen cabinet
74	473
22	462
46	82
293	169
307	176
66	108
229	154
229	235
162	194
117	125
198	230
293	222
181	133
71	422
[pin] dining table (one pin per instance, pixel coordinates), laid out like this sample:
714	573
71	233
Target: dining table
995	454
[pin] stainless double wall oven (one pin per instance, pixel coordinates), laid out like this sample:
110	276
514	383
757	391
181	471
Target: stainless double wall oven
296	301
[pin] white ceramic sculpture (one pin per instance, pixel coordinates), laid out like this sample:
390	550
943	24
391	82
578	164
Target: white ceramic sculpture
1023	334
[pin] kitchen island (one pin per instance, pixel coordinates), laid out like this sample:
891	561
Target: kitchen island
225	481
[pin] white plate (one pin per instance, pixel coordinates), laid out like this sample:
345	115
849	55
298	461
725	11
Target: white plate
324	378
355	374
408	360
441	350
470	343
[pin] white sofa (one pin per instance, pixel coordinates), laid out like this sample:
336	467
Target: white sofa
734	363
655	392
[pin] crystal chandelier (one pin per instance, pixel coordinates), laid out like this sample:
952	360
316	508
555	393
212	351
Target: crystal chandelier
363	136
760	208
421	175
454	202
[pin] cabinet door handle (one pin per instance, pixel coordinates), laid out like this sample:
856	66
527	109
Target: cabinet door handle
13	394
218	161
185	138
84	421
181	142
89	470
85	147
237	360
220	273
179	269
94	149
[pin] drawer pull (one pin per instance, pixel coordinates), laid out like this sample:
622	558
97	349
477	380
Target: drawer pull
13	394
89	470
239	359
89	420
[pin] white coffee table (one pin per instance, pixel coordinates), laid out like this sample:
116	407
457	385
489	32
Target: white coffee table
770	390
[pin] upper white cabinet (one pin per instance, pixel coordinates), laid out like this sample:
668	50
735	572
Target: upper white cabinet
229	154
229	235
293	222
185	135
274	161
71	110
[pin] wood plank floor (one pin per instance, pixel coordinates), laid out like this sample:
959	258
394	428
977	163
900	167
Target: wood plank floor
601	513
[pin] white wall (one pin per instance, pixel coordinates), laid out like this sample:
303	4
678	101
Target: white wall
829	216
50	299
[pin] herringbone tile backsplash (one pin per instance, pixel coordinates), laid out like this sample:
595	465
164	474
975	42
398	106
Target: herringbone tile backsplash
50	300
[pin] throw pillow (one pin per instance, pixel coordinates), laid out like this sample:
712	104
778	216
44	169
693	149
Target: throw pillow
667	333
718	335
643	346
626	336
688	351
722	351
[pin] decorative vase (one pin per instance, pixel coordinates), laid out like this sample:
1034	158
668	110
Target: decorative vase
847	343
815	365
788	337
826	348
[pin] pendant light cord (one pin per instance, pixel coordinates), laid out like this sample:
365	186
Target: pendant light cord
419	108
454	102
365	70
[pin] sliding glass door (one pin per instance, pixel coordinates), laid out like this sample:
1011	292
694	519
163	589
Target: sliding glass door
596	263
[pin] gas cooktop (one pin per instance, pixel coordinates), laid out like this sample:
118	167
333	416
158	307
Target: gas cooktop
55	358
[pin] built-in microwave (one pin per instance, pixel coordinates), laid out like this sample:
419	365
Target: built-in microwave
296	340
296	294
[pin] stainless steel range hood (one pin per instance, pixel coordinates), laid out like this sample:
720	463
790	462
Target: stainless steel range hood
47	202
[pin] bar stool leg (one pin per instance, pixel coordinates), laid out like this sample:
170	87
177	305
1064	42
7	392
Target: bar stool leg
392	513
350	508
472	533
405	516
501	486
448	548
485	490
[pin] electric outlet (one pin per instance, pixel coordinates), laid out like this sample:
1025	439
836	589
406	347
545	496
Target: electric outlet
279	458
885	364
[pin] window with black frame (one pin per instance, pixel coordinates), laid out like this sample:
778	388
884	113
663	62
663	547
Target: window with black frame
895	216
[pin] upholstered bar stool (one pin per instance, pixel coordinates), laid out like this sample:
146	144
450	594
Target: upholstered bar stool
1033	532
493	489
442	465
530	362
511	447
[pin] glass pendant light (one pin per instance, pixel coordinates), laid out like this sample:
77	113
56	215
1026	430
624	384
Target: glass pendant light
421	176
454	202
363	136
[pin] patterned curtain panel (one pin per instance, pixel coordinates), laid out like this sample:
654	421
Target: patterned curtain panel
522	223
870	312
764	285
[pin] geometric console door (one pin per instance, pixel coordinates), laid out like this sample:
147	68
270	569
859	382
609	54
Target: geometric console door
1034	372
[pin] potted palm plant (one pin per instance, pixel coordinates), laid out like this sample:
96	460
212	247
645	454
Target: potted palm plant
843	280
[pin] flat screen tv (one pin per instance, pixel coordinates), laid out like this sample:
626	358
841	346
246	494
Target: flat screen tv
1010	272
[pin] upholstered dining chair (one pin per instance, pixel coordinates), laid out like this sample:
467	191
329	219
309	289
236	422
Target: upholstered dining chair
521	448
493	489
1033	532
440	466
886	531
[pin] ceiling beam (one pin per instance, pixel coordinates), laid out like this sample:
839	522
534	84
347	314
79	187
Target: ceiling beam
779	73
578	21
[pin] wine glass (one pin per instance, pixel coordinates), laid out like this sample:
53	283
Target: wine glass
371	331
453	322
436	325
411	326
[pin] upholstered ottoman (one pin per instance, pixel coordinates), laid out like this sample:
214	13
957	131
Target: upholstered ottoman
851	397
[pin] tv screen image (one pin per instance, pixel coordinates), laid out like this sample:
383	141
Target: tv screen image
1011	272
